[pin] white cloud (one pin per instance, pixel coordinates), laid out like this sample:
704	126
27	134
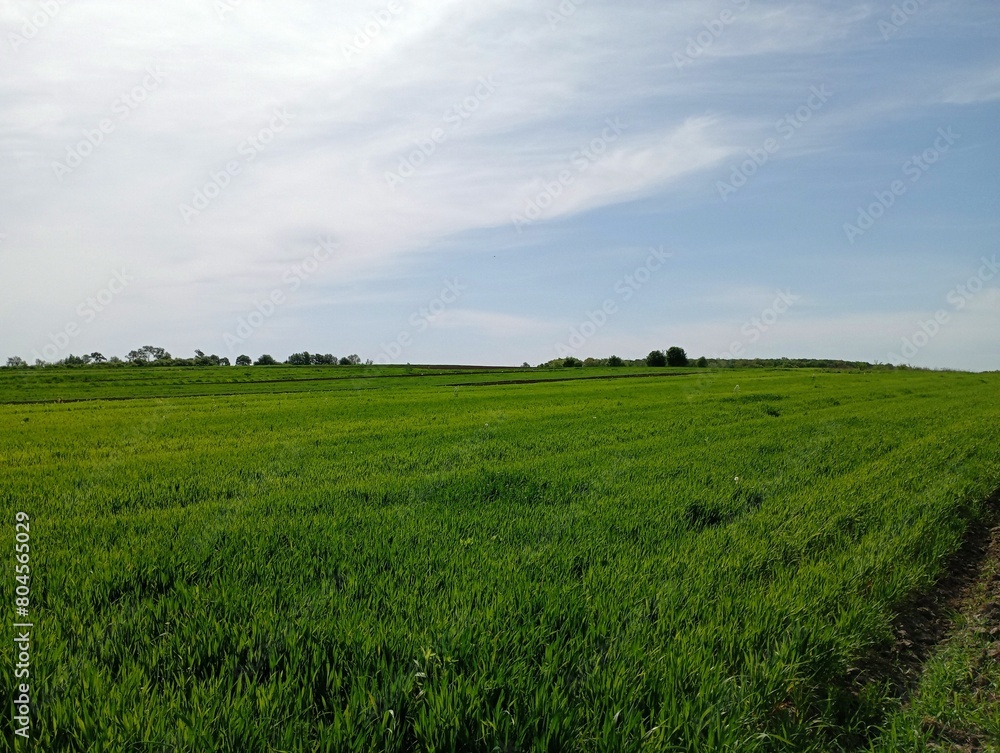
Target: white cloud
981	86
492	323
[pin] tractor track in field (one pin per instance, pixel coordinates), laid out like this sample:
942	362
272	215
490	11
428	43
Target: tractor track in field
568	379
968	592
501	382
300	380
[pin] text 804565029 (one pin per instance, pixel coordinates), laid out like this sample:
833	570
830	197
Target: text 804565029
22	627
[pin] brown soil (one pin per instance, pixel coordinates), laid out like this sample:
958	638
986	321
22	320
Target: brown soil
929	619
970	588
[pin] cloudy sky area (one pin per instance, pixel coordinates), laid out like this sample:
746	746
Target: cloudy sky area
456	182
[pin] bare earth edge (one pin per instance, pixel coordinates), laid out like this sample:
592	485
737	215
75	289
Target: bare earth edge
970	587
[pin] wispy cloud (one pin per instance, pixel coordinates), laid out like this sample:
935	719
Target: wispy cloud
493	324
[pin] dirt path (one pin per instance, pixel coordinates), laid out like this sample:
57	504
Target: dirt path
929	620
962	610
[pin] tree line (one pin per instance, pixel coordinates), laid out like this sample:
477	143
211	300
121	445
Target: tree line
673	356
149	355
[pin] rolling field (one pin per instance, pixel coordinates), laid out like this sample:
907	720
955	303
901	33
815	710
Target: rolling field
272	559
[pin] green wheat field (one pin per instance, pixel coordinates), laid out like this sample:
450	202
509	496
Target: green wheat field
364	559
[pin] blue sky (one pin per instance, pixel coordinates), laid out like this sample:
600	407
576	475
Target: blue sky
498	182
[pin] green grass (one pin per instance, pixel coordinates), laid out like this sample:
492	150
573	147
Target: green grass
379	562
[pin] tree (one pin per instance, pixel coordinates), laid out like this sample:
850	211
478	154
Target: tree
571	362
299	359
16	362
154	353
615	361
702	362
148	353
223	362
243	360
676	357
265	360
97	357
656	358
352	360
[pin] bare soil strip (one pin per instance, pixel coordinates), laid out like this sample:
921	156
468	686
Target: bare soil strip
928	620
970	588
